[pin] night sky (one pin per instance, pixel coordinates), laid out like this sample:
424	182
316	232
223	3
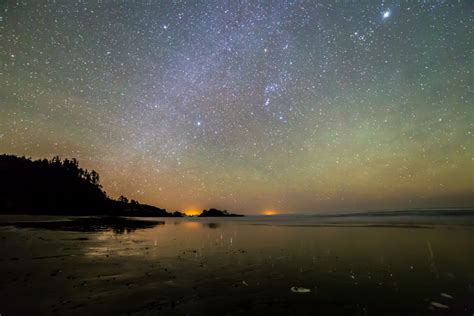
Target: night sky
293	106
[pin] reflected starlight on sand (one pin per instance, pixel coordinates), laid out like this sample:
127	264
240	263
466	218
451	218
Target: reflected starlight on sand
241	265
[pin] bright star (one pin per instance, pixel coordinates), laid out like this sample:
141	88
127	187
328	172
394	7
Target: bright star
198	123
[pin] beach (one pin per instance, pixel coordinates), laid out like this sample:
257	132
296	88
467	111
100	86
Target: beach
234	266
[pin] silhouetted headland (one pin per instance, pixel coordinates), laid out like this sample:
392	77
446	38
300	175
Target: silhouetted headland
61	187
217	213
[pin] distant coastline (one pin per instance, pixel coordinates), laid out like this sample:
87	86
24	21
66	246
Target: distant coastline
217	213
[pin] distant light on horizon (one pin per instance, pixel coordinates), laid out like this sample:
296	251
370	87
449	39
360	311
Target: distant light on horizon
270	212
192	212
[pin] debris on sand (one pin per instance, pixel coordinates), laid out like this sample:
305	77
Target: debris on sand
446	295
439	305
299	289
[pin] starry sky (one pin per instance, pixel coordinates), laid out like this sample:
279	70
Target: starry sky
250	106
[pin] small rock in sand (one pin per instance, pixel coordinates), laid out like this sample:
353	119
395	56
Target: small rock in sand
299	289
446	295
439	305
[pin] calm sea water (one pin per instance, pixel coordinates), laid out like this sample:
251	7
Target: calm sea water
359	265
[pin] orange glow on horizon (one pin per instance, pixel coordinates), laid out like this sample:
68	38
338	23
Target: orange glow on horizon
192	212
270	212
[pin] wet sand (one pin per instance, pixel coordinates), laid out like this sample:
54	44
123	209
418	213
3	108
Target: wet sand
239	266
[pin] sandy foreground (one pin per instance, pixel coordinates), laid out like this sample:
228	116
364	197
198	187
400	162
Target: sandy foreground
236	266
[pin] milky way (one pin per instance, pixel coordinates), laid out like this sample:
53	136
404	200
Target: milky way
294	106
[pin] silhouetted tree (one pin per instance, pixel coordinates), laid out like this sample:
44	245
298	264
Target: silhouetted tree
123	199
95	178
